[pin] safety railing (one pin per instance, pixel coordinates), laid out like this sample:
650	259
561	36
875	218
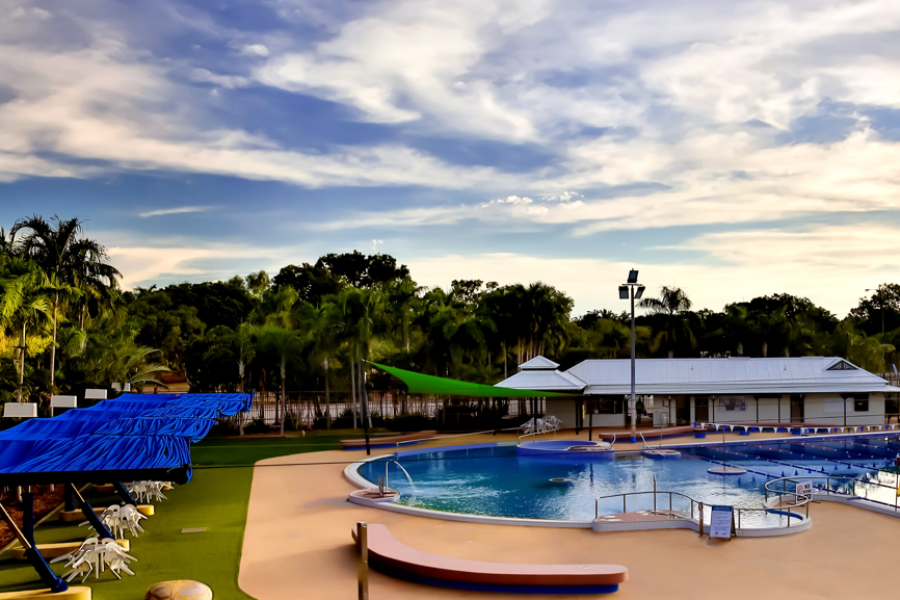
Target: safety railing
837	485
790	508
625	496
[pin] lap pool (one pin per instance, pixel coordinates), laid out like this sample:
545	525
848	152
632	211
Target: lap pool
499	481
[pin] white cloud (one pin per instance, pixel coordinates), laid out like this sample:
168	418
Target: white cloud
140	264
255	50
668	84
174	211
515	200
226	81
836	262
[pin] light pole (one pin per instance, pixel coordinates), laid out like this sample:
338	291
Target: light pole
881	298
632	290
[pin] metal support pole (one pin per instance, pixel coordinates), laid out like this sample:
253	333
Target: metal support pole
701	518
123	493
48	577
68	497
365	407
633	403
88	511
362	541
28	515
591	425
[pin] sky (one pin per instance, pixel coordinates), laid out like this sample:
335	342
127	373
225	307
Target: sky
733	149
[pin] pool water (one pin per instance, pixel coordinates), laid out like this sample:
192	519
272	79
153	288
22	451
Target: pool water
496	481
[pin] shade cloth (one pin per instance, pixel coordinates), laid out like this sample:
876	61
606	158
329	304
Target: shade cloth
419	383
130	437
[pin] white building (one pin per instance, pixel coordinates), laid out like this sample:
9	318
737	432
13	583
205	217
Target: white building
815	389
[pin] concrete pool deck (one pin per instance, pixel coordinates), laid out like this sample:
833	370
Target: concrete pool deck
297	544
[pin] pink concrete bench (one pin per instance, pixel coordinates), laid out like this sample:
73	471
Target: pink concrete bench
387	442
395	558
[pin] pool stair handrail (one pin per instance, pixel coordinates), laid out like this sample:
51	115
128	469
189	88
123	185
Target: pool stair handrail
796	501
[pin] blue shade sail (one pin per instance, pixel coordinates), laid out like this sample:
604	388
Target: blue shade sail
131	437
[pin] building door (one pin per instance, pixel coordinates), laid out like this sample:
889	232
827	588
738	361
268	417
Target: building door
797	408
701	409
682	410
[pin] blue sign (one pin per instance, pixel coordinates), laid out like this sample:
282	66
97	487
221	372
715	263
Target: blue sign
720	522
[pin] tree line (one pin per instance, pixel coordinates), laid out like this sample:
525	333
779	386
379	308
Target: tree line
66	324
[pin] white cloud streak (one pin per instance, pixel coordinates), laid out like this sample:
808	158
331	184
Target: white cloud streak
174	211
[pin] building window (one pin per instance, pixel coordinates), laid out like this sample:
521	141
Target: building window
860	405
733	403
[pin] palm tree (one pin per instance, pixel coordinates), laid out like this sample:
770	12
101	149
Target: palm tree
672	301
282	345
275	306
60	293
359	315
237	344
318	325
76	262
23	303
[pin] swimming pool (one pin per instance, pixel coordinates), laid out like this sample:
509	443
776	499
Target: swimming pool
496	480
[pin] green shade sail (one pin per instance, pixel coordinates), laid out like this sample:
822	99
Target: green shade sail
419	383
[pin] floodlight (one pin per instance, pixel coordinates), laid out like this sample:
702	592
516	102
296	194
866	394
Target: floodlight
639	292
623	292
632	276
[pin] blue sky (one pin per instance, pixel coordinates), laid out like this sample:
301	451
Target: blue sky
731	148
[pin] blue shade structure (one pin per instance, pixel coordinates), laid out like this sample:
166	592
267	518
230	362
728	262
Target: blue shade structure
131	437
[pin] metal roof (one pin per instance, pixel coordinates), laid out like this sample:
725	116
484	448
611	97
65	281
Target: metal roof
543	379
712	376
538	362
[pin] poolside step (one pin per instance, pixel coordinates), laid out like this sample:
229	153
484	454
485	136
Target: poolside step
642	520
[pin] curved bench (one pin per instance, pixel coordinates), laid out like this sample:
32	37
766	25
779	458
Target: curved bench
387	442
395	558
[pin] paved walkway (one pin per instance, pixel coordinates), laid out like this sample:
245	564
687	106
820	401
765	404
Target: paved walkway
297	545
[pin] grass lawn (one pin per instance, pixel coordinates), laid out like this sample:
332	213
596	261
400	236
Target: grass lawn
215	499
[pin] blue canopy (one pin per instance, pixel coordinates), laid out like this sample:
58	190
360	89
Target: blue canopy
131	437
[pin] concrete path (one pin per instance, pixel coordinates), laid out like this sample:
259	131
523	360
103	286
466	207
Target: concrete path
297	545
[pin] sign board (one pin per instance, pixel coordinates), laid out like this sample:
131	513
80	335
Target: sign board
20	410
804	488
720	522
63	401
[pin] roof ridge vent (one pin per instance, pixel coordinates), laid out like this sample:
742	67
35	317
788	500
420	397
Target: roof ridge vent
538	362
842	365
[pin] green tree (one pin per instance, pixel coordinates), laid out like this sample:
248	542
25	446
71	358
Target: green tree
76	265
281	346
671	304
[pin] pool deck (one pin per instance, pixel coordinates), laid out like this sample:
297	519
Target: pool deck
297	544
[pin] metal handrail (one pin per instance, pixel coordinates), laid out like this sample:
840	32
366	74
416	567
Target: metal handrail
646	445
799	500
625	502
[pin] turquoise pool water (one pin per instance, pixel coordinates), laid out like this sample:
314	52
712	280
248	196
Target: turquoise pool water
496	481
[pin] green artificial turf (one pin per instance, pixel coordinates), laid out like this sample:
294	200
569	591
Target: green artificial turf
215	498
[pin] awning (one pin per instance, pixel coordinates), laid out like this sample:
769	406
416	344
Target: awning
419	383
127	438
